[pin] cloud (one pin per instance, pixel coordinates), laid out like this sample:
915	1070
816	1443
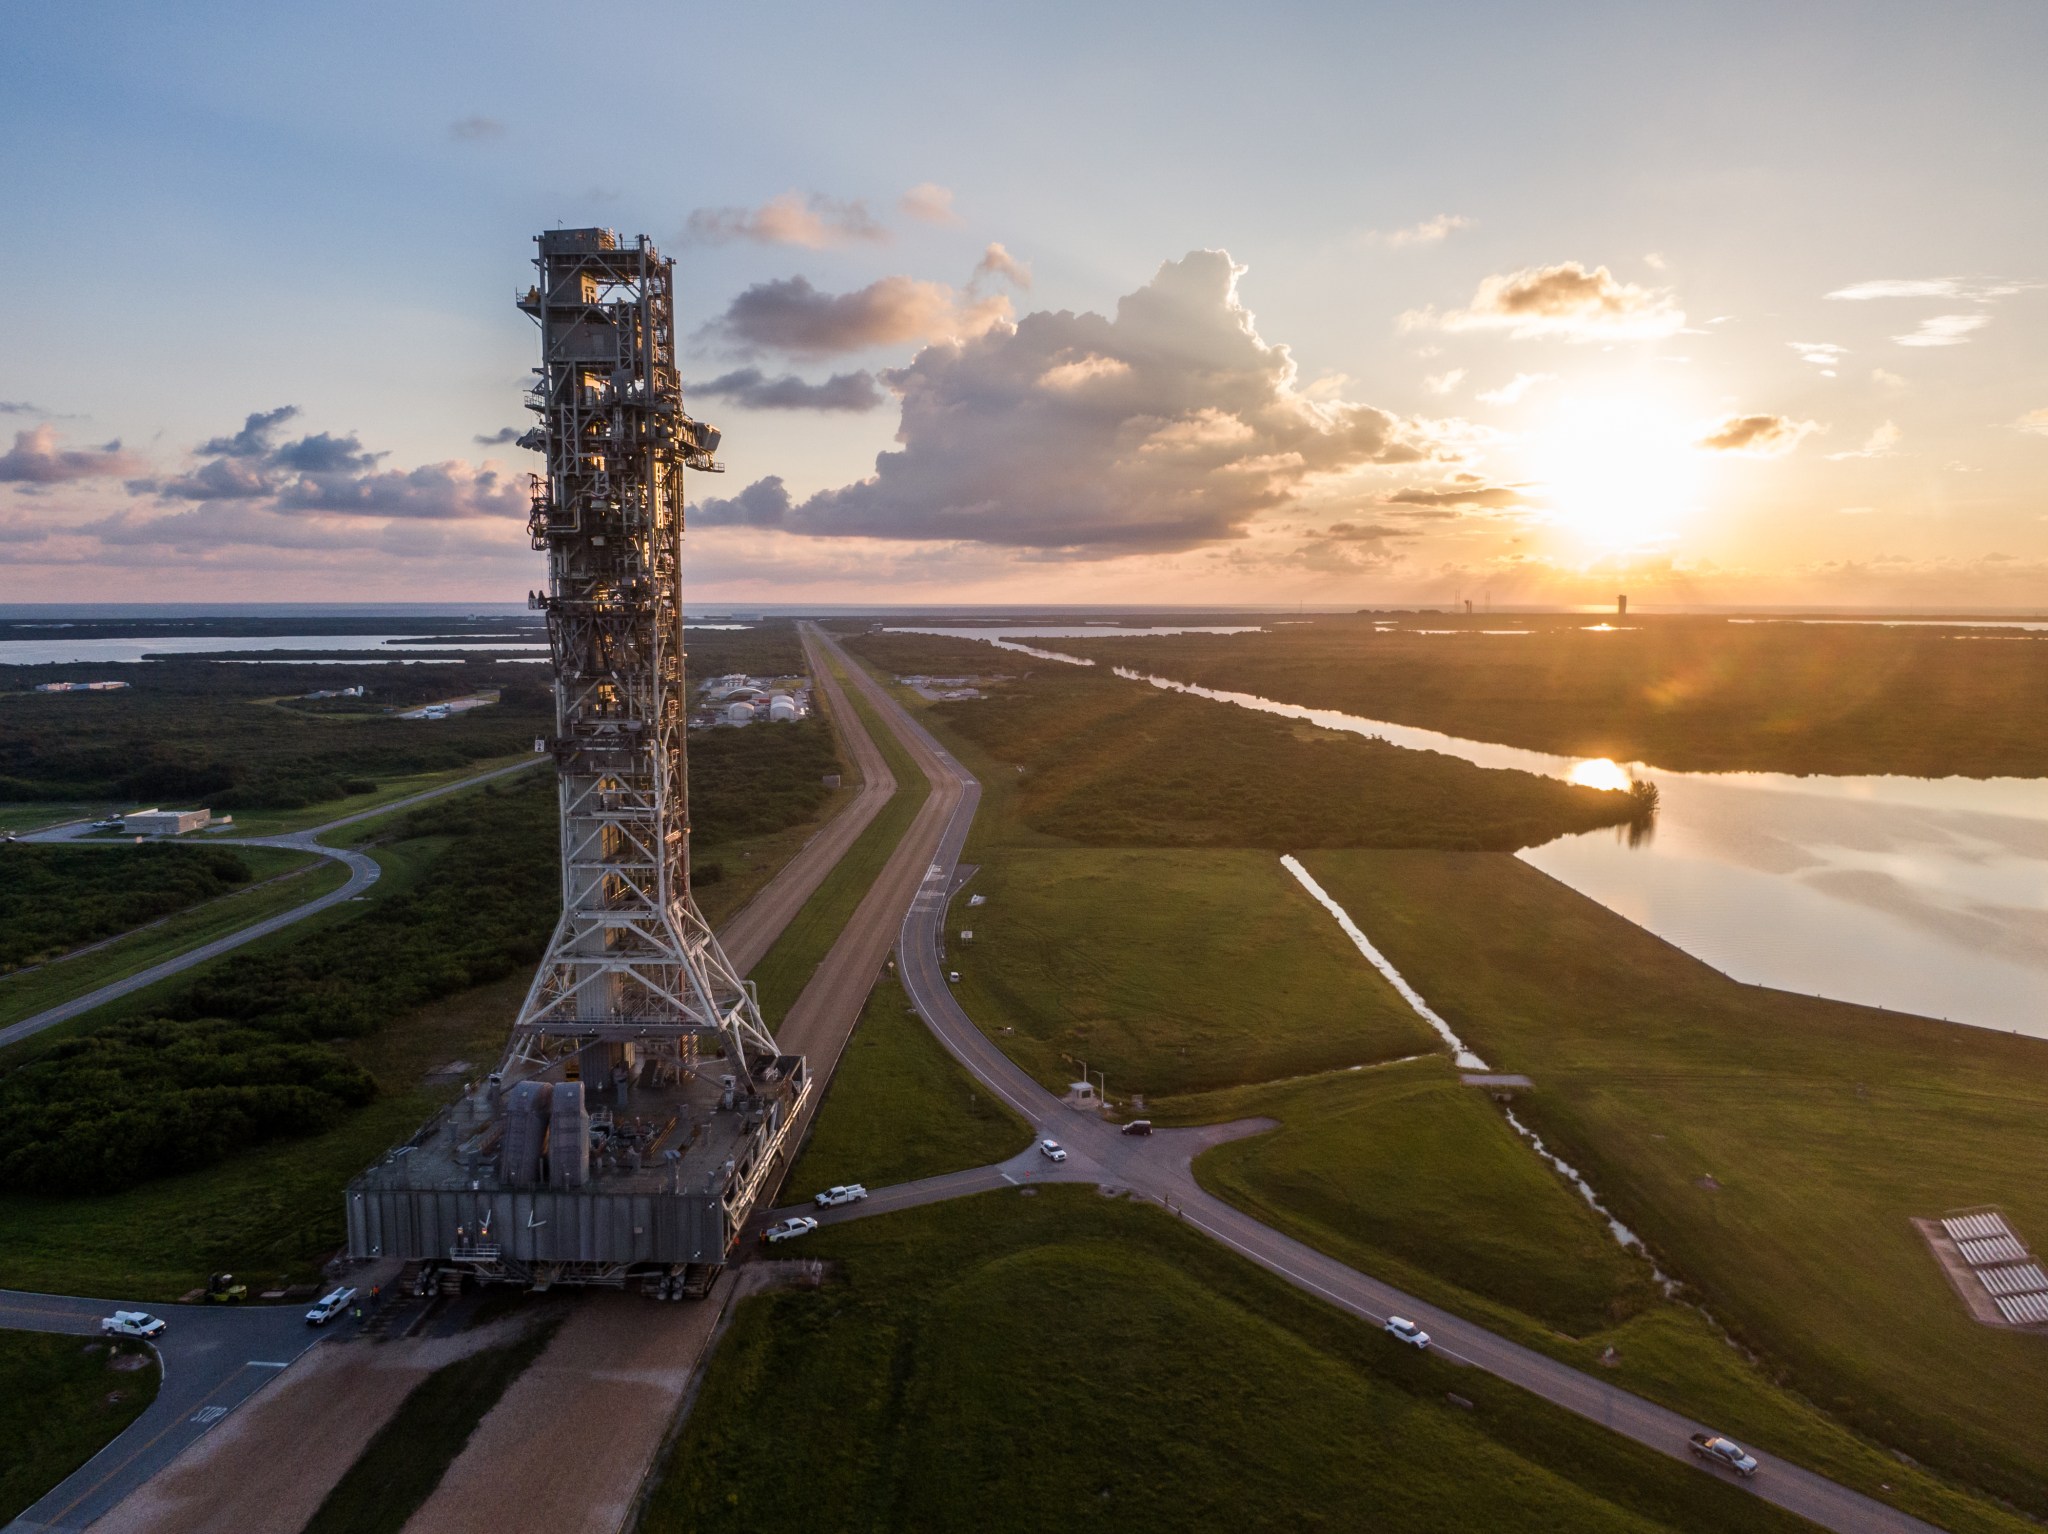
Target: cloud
1463	491
764	503
998	262
1944	330
1887	380
318	476
1444	383
1824	355
20	407
1565	301
438	491
789	315
504	436
1167	426
36	459
470	130
754	390
1882	444
253	440
1512	391
2035	421
1896	287
1361	532
816	222
1757	436
1431	231
930	203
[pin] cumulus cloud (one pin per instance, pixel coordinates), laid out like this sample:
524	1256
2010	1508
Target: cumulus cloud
789	315
1565	301
1463	491
815	222
1431	231
929	203
1887	380
1361	532
1757	436
755	390
2035	421
1444	383
37	459
1166	426
470	130
1882	443
316	476
998	262
1512	391
1944	330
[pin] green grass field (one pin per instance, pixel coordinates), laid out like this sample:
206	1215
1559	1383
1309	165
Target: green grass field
1405	1173
400	1467
1170	971
1771	1148
1697	693
297	878
62	1401
899	1107
1064	1360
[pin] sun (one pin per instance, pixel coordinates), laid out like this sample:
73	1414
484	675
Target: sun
1617	472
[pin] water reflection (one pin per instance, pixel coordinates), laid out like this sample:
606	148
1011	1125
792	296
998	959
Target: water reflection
1925	895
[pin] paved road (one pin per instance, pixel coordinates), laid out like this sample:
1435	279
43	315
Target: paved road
1159	1167
213	1357
362	873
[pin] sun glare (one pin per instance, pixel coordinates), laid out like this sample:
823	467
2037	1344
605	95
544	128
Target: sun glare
1599	772
1618	473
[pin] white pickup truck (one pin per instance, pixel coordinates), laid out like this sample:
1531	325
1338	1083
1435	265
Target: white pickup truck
132	1323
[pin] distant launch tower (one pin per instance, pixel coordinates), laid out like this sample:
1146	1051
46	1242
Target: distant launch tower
643	1102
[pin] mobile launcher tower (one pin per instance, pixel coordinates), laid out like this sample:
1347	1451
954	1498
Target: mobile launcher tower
643	1104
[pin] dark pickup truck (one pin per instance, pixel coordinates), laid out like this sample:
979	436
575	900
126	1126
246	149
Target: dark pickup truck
1726	1452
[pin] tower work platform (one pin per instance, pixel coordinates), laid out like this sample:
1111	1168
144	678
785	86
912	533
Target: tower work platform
642	1101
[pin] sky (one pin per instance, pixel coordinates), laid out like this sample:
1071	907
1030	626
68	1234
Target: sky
1108	304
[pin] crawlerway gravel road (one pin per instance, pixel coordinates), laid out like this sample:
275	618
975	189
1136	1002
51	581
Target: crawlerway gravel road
1159	1168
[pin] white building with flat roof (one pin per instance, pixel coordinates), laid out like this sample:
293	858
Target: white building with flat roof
165	822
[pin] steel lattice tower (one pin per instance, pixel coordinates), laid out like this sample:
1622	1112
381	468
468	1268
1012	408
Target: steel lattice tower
631	960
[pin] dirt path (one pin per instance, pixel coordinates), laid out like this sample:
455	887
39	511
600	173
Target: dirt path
601	1399
268	1467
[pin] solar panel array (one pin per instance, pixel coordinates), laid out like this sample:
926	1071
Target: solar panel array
1975	1227
2003	1265
2020	1278
2024	1309
1982	1254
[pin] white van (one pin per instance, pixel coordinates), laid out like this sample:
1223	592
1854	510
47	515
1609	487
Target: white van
330	1305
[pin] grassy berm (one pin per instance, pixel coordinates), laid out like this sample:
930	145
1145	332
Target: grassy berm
1056	1360
1771	1148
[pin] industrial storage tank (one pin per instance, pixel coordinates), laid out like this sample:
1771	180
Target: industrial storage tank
740	713
781	707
